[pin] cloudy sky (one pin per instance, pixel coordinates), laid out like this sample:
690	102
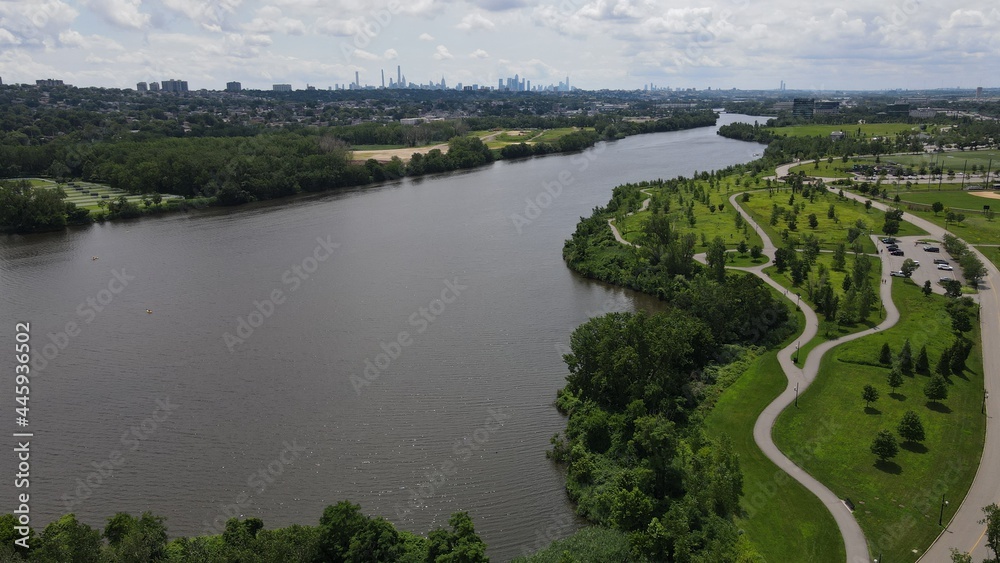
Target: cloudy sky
818	45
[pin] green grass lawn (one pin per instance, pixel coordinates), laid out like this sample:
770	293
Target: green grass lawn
992	253
721	222
830	232
376	147
784	520
549	135
835	169
736	260
954	160
975	229
897	504
867	129
88	194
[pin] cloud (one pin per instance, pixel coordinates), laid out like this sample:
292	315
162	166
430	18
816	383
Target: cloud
475	21
426	37
269	19
34	23
7	38
390	54
122	13
209	15
479	54
362	54
442	53
501	5
72	38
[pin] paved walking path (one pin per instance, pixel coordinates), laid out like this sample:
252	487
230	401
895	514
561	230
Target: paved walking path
614	230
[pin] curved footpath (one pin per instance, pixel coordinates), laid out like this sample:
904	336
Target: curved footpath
798	379
614	230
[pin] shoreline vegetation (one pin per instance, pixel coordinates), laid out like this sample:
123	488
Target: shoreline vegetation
229	171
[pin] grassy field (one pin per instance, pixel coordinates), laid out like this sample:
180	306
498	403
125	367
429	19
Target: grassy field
784	520
955	160
830	232
954	197
896	503
87	194
835	169
721	222
867	129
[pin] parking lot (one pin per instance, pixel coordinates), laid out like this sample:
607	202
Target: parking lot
912	247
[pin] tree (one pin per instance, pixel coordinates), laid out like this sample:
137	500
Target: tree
943	366
831	212
905	358
962	311
895	378
868	204
840	257
459	545
890	227
716	258
377	540
909	265
910	427
813	221
952	288
936	389
923	363
927	289
869	394
992	521
756	252
67	539
960	556
742	247
937	207
137	539
884	446
338	524
972	268
885	354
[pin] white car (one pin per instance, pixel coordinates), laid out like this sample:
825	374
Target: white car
945	267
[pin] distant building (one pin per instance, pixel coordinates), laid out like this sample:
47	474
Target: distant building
282	87
803	107
49	83
174	85
233	87
412	120
979	92
826	107
141	87
900	109
836	135
154	86
923	113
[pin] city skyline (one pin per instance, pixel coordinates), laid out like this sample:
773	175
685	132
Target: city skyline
619	44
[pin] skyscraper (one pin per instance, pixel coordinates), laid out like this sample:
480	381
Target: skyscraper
141	87
233	87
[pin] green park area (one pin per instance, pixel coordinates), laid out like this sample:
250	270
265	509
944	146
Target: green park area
897	501
828	168
701	208
775	507
88	195
837	220
863	130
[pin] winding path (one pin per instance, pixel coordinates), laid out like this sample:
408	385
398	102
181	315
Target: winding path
614	229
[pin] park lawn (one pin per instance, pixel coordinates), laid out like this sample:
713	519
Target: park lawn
866	129
829	232
992	253
952	160
975	229
549	135
896	503
376	147
708	224
736	260
836	169
955	198
784	520
94	193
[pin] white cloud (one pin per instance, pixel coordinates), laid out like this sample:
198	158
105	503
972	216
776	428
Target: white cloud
390	54
209	15
426	37
479	54
475	21
72	38
442	53
122	13
7	38
365	55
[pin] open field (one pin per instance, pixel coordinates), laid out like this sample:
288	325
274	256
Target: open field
954	160
784	520
829	232
897	503
835	169
954	197
87	194
867	129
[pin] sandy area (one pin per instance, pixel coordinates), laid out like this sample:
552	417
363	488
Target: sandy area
986	194
387	154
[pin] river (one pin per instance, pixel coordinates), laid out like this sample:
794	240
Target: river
461	308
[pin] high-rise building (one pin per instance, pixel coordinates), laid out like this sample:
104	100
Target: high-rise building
979	92
49	82
142	87
399	76
357	79
282	87
233	87
174	85
154	86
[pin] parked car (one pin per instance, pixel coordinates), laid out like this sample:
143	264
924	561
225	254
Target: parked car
932	249
946	279
896	252
897	274
945	267
940	261
892	247
888	240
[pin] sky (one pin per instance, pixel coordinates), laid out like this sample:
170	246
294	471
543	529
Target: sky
617	44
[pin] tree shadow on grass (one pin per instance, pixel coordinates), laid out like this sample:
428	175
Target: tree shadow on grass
915	447
872	410
898	396
888	467
939	407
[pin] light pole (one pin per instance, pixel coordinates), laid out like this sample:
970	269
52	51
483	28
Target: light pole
944	503
986	395
796	395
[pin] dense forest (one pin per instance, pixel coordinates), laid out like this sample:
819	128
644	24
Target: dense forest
344	535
